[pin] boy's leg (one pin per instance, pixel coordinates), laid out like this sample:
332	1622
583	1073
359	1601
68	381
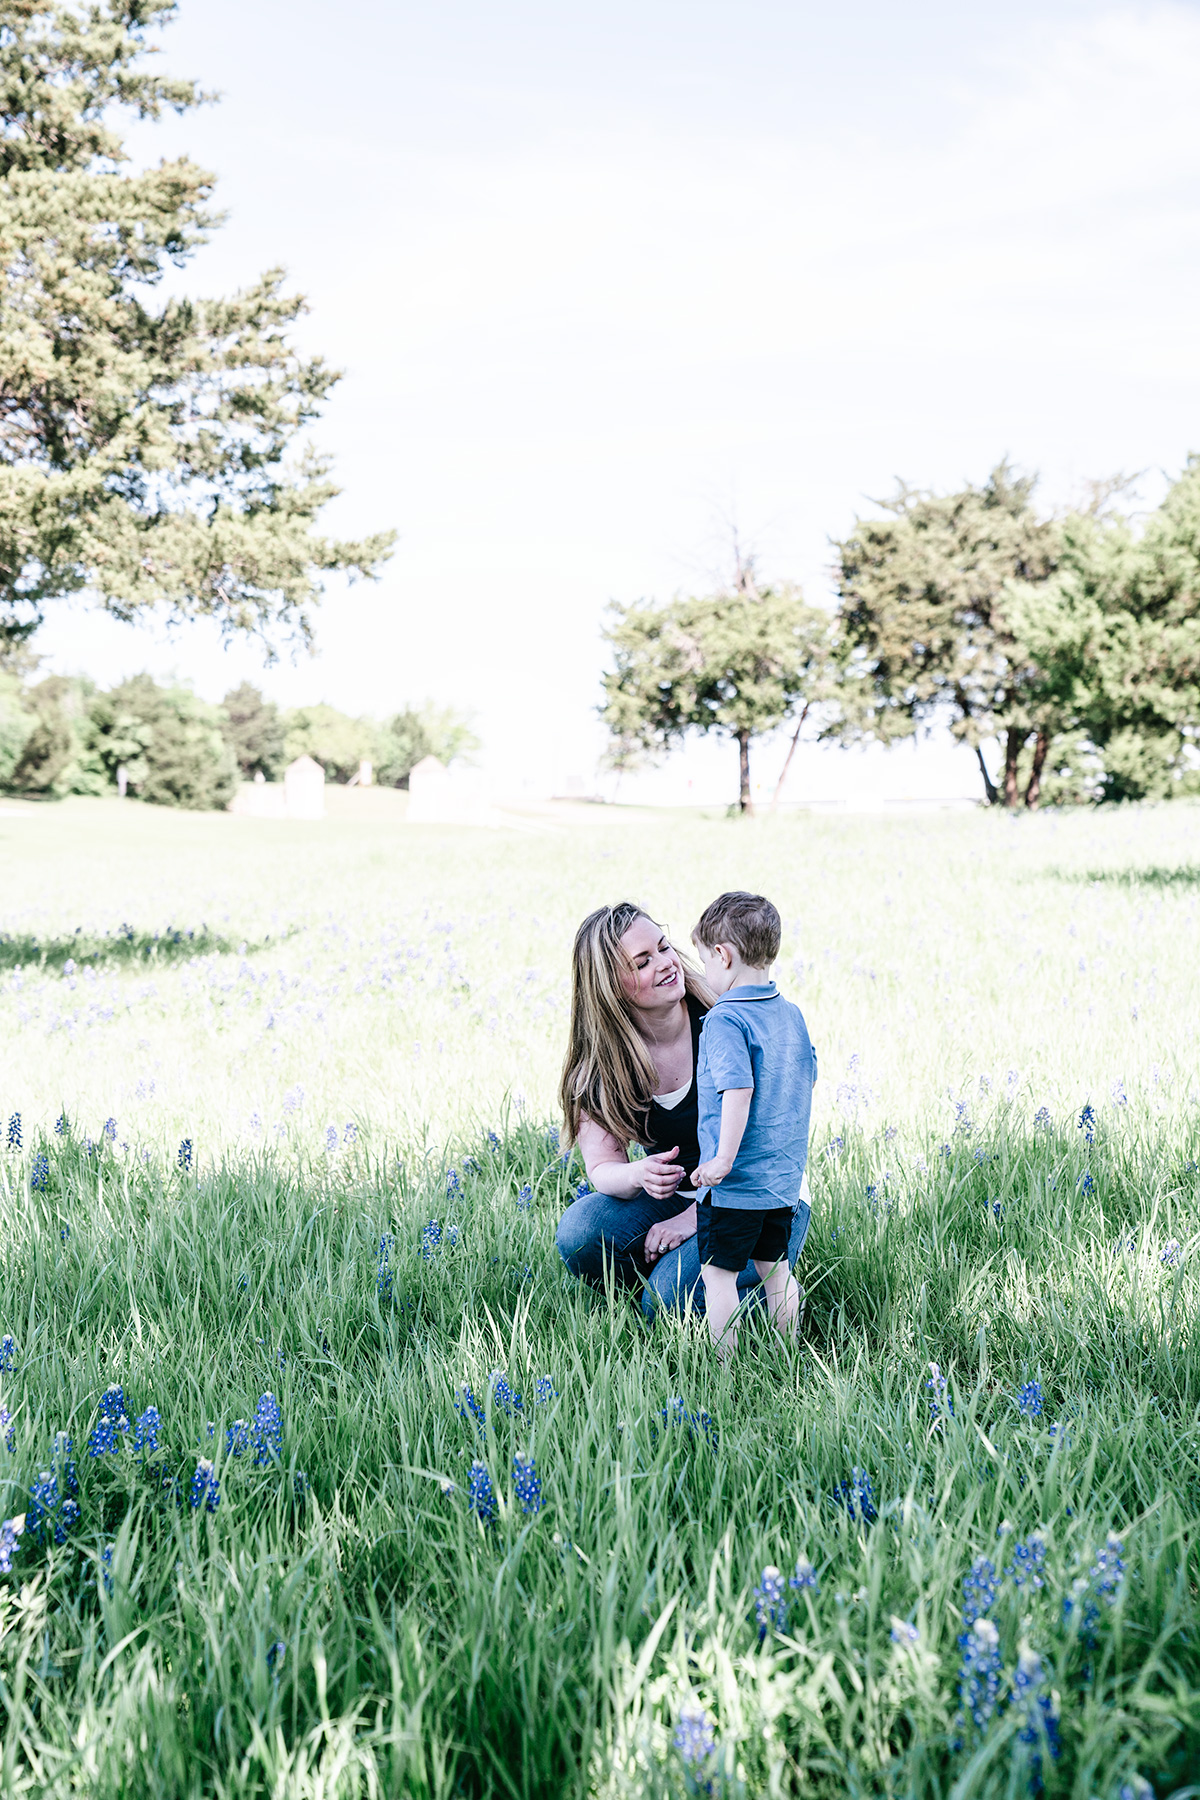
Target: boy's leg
721	1299
783	1296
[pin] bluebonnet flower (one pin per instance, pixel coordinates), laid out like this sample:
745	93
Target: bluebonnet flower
331	1138
145	1432
266	1431
1137	1788
185	1155
1169	1255
506	1401
582	1187
998	1211
8	1349
384	1277
552	1139
857	1495
904	1633
467	1407
62	1125
452	1182
770	1602
44	1499
482	1494
431	1237
1119	1096
979	1674
65	1233
106	1569
237	1437
834	1147
493	1140
293	1100
1080	1603
1086	1182
962	1118
1030	1400
1087	1123
206	1489
980	1586
470	1166
1108	1570
695	1737
350	1132
805	1576
544	1391
113	1421
1037	1707
525	1198
944	1150
7	1429
1041	1119
14	1132
451	1236
275	1655
526	1485
676	1413
940	1403
256	1123
110	1130
62	1456
39	1174
10	1531
1028	1565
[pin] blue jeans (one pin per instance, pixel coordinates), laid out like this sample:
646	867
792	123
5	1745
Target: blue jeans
598	1230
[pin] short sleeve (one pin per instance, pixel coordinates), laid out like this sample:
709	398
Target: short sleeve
728	1054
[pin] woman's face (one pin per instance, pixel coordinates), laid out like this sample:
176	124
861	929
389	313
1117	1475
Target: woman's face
653	980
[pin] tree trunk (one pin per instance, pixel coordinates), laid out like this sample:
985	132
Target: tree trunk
1013	739
1033	792
745	803
791	752
989	786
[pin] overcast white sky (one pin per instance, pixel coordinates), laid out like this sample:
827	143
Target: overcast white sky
603	276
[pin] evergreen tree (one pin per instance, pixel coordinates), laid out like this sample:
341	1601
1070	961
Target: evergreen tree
254	732
420	731
144	443
738	662
928	626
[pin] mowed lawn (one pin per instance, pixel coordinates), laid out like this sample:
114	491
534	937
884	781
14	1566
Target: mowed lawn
280	1163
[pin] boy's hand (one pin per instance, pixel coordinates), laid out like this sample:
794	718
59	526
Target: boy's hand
711	1173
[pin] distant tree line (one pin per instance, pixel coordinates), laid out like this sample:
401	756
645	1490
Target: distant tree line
64	735
1070	640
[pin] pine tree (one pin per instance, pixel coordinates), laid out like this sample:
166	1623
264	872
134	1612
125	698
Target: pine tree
146	444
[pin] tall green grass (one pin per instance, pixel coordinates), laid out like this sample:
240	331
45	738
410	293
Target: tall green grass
343	1623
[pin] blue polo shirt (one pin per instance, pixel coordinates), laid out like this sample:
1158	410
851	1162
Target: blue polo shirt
753	1037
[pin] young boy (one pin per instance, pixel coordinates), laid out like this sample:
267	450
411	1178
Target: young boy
754	1075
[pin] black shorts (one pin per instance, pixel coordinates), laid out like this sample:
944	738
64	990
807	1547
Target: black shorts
728	1237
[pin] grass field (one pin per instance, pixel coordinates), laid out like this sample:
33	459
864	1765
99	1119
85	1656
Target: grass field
303	1198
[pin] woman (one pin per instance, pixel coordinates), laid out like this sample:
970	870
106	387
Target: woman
630	1078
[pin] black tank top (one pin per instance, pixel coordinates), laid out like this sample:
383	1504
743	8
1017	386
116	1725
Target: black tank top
668	1126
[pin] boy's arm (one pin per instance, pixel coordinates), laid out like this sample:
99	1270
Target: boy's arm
735	1110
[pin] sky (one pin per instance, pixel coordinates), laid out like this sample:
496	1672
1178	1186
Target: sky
609	282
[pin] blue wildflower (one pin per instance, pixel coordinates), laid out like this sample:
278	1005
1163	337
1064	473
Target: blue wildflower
482	1494
275	1655
384	1277
237	1437
675	1413
1087	1123
350	1132
526	1485
110	1130
431	1237
1028	1565
145	1432
582	1188
331	1138
7	1429
1041	1119
113	1421
184	1156
980	1671
453	1185
940	1403
1030	1400
10	1531
39	1174
1169	1255
980	1586
695	1737
493	1139
206	1489
1086	1182
544	1391
1108	1570
467	1407
805	1576
857	1495
770	1602
106	1569
507	1402
62	1125
14	1132
266	1431
903	1633
8	1349
525	1198
43	1505
1037	1707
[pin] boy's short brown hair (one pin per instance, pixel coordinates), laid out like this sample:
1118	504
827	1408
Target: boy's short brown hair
747	921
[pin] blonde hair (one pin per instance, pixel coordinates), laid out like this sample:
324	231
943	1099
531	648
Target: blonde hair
608	1072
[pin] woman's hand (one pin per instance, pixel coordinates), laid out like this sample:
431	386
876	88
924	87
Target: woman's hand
670	1233
659	1175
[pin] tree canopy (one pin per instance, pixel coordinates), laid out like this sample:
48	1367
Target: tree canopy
148	447
739	661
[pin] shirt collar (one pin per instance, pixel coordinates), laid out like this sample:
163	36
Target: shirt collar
753	990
